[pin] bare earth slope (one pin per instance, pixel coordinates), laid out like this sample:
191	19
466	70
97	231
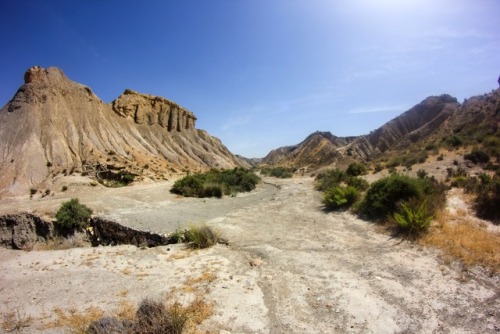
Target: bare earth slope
54	125
321	272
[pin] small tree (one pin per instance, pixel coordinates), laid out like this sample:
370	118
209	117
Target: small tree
73	216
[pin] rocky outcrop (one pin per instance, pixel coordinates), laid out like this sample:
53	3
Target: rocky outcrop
150	110
53	126
106	232
23	230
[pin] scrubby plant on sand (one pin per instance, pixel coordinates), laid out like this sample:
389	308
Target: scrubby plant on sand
341	190
410	203
488	198
279	172
356	169
216	183
413	218
151	316
338	197
201	236
72	216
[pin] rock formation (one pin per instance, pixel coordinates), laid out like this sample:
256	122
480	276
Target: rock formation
23	230
54	125
150	110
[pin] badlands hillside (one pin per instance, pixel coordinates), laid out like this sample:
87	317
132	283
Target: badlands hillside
54	126
432	121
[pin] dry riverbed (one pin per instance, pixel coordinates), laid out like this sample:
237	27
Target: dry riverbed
290	268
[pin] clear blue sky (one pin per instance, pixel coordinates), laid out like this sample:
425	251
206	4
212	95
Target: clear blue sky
260	74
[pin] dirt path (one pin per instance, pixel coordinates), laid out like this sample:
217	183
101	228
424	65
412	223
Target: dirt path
321	272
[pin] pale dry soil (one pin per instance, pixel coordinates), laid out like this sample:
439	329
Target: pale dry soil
313	271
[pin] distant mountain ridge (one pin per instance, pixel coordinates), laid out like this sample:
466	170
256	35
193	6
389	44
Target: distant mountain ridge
432	119
54	125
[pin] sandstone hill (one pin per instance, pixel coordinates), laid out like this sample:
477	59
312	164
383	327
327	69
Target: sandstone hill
432	120
55	126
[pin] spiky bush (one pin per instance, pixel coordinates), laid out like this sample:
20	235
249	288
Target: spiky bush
413	218
339	197
201	236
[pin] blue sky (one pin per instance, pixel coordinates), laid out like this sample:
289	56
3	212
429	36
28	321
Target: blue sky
260	74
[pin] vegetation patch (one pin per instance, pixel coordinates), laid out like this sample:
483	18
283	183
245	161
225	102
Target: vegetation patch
410	203
201	237
115	180
486	189
279	172
341	190
72	216
216	183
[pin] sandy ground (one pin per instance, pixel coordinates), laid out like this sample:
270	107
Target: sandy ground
320	272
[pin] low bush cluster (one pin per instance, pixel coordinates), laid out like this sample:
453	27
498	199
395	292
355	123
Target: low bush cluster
356	169
486	188
341	190
410	203
477	156
216	183
279	172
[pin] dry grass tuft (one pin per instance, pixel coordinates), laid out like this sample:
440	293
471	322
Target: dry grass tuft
78	240
198	311
77	322
126	311
462	239
14	321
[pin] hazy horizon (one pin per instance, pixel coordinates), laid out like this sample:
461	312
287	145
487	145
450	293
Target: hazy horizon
263	74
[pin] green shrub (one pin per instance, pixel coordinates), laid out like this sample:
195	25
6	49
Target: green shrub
413	219
454	141
477	156
212	190
430	147
358	183
488	199
356	169
329	178
339	197
72	216
279	172
201	236
421	173
189	186
385	195
378	168
216	183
